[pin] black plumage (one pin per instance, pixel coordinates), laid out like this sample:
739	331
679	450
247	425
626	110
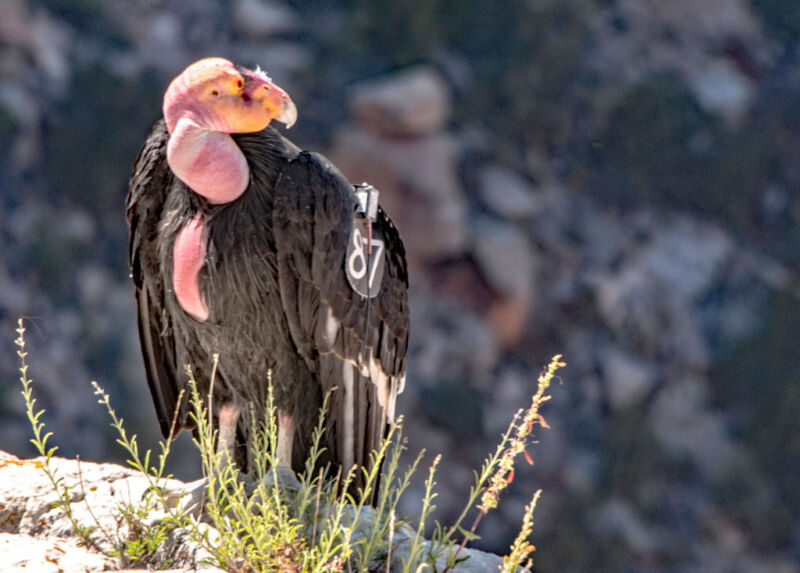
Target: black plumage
278	299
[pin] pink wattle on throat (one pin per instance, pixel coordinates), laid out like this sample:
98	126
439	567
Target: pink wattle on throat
208	161
188	258
212	165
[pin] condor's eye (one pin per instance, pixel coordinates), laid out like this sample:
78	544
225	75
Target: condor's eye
239	83
214	92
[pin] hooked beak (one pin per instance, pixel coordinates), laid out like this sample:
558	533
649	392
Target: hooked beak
288	114
277	102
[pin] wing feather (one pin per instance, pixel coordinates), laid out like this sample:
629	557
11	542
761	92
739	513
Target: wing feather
147	190
328	320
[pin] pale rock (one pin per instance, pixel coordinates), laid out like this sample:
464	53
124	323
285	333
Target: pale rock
78	226
577	230
40	537
27	112
509	317
23	552
650	301
775	200
507	261
652	319
164	30
505	256
581	472
675	36
93	284
97	492
512	388
263	19
685	426
161	40
412	102
419	186
12	65
507	193
723	90
14	23
27	151
684	255
15	299
618	520
604	237
476	561
547	445
628	378
449	343
457	68
51	42
282	61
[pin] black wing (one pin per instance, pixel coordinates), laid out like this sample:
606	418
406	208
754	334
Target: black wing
147	191
328	320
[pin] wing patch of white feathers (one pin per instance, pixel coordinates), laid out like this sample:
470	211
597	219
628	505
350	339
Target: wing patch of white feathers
349	415
387	387
331	327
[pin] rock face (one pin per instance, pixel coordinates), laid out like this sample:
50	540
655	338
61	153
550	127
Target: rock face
509	195
261	20
615	181
21	552
35	536
40	537
410	103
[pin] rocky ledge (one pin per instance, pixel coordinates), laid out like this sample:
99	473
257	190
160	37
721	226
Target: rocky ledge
35	535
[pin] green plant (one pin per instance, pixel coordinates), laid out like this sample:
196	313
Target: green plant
522	547
40	439
138	544
139	547
319	527
498	470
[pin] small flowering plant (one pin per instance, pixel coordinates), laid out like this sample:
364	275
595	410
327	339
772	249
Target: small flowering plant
498	472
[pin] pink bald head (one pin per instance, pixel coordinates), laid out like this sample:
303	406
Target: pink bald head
218	96
207	101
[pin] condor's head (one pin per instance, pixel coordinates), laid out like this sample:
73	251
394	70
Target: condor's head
209	100
220	96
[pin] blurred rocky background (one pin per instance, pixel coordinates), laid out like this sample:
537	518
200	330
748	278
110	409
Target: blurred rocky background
614	180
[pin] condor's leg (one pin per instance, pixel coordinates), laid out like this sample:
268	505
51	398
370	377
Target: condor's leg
282	472
226	438
192	496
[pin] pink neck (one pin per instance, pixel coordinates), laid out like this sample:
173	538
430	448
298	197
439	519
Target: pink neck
188	258
209	162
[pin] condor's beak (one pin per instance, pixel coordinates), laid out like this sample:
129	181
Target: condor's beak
277	102
288	113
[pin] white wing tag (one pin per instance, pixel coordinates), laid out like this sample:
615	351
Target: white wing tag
364	269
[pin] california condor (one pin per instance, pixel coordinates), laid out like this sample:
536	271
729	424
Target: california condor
243	245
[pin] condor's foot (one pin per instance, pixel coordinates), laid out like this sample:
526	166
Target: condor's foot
189	499
283	477
192	496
